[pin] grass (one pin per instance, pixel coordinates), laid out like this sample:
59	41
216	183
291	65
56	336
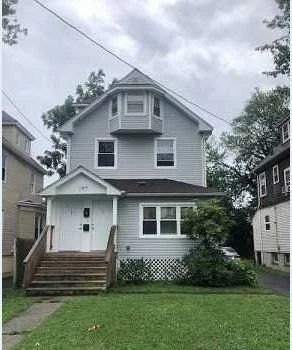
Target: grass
176	320
170	287
13	302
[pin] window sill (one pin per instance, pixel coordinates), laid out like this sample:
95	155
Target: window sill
164	236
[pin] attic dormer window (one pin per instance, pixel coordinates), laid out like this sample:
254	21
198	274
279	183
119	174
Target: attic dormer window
286	131
135	103
156	106
114	106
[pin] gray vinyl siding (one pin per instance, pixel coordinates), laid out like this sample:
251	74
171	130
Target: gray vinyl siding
128	235
114	124
135	158
132	122
278	238
156	124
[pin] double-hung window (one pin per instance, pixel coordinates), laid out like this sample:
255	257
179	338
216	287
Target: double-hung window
168	221
262	184
275	174
106	153
165	153
287	179
156	106
135	103
183	214
149	221
286	131
114	106
267	223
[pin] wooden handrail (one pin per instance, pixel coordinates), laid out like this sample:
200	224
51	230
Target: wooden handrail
34	257
110	256
111	243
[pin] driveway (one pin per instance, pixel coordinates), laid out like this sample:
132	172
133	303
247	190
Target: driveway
279	284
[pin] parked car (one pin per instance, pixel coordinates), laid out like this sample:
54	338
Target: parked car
230	253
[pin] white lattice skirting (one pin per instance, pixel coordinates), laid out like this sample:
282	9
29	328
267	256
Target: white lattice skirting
166	268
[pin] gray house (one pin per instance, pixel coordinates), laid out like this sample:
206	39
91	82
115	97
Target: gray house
136	162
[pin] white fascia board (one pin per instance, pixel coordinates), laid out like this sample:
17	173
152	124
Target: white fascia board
51	189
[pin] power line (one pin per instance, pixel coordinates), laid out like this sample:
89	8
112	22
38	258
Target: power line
24	116
126	62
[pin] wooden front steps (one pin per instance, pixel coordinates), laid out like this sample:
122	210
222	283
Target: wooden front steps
70	273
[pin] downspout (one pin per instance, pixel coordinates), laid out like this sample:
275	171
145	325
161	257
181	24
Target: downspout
276	229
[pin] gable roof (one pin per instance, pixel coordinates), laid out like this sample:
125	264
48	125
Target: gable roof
8	120
52	189
136	79
280	152
22	156
161	187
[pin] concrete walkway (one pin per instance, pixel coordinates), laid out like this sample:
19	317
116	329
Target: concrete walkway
13	331
279	284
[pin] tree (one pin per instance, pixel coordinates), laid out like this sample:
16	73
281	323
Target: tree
54	160
10	27
209	223
254	134
280	48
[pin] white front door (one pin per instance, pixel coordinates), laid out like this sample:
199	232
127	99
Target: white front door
101	223
70	226
84	225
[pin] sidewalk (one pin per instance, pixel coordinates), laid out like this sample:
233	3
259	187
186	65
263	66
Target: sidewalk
13	331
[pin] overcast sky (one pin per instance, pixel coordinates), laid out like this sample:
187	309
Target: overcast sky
204	49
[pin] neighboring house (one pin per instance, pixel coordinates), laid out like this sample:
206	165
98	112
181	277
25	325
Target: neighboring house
23	214
271	228
136	159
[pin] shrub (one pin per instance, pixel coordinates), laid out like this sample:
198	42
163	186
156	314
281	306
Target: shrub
134	270
243	273
210	268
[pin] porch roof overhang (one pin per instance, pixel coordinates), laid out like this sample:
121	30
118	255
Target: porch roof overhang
81	181
162	188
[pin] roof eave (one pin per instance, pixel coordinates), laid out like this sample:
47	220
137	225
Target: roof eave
189	194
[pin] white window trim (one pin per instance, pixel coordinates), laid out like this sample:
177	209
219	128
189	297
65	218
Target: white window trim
128	114
119	106
34	184
97	139
285	177
27	146
288	127
276	172
260	187
158	210
6	160
155	153
268	223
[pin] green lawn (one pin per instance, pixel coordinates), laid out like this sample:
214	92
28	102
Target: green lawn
13	302
166	321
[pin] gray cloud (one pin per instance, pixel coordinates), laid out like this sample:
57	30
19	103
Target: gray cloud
204	49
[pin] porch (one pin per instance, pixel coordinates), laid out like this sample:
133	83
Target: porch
69	272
